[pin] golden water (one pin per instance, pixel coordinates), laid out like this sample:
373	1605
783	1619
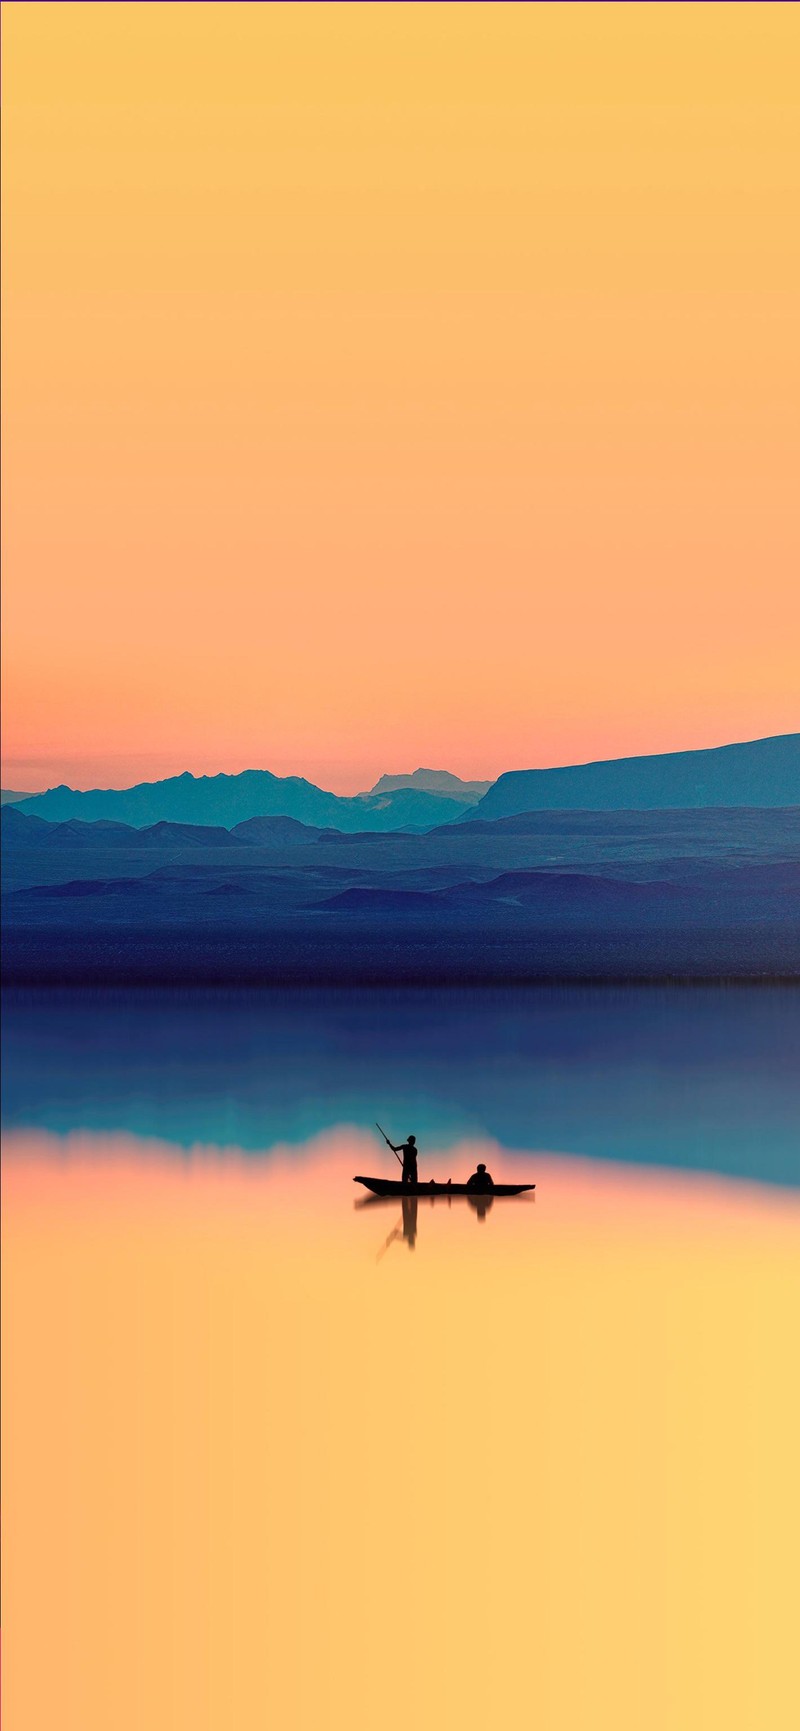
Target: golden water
268	1463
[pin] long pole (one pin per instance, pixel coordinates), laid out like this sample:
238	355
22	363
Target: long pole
388	1143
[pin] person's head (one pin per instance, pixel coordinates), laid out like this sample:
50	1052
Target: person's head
481	1167
412	1140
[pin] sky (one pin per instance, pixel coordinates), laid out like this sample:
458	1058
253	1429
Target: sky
393	384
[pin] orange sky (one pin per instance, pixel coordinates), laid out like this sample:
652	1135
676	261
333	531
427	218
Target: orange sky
397	384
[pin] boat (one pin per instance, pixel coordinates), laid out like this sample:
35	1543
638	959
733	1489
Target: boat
394	1187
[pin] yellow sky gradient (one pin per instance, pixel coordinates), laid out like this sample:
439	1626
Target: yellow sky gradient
391	384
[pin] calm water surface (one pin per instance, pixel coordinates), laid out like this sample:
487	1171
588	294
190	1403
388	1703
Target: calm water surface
279	1455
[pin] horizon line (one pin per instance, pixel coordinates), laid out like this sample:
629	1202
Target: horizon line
216	775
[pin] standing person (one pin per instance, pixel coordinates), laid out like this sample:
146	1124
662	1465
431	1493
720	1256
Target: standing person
408	1149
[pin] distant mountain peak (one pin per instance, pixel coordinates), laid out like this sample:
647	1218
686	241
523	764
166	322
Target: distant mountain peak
440	781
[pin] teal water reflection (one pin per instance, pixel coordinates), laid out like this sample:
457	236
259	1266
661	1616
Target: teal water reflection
699	1078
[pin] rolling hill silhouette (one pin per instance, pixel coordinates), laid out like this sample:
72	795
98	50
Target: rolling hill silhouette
761	772
646	891
519	899
702	894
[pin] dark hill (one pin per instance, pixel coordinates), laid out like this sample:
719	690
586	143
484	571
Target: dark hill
761	772
88	835
184	835
531	889
511	892
712	896
16	828
19	830
276	832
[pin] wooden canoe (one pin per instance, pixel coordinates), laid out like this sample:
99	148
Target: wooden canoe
393	1187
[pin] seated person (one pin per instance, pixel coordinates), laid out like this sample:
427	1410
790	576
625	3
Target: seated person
481	1180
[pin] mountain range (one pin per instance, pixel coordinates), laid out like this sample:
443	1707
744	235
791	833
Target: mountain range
231	799
695	893
762	772
680	865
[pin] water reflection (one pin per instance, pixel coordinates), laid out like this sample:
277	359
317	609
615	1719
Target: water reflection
210	1386
703	1078
213	1397
480	1205
406	1227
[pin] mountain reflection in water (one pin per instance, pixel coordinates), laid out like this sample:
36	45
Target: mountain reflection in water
702	1078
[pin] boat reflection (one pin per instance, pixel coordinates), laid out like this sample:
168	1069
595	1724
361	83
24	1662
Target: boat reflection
406	1227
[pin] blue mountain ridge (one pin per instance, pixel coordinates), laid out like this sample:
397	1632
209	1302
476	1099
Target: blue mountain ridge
646	892
227	800
759	772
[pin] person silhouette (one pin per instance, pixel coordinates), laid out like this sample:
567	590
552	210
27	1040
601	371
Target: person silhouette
481	1180
408	1149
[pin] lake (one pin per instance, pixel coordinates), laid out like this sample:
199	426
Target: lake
277	1454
